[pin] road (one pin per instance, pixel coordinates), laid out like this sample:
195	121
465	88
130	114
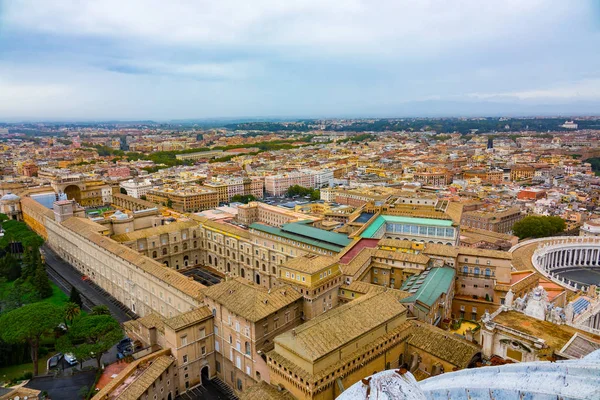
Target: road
65	276
64	388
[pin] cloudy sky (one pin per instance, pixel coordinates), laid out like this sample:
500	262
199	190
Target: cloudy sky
156	59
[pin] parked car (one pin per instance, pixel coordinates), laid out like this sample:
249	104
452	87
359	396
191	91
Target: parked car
124	344
70	358
54	360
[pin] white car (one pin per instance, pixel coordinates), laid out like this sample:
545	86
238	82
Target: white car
70	358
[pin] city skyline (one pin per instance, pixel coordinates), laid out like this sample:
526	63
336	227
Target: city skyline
86	61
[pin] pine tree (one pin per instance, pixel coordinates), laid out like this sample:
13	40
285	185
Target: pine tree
29	265
75	297
41	283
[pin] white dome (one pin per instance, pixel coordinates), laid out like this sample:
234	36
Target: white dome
388	385
120	215
10	197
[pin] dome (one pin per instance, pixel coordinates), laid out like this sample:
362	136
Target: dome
388	384
10	197
120	215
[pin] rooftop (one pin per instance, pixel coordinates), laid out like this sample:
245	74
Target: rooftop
382	219
339	326
428	286
308	235
154	231
555	336
251	301
309	263
188	318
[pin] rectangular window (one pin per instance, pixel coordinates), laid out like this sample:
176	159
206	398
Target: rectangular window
185	358
203	350
184	340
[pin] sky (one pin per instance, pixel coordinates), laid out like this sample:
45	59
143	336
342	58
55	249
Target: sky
188	59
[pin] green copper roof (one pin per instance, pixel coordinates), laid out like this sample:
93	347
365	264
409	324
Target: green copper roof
428	286
316	233
306	234
382	219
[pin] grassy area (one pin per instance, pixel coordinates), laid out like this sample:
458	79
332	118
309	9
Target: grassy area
58	297
16	371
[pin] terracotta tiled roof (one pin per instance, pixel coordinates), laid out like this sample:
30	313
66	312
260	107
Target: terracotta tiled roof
443	345
264	391
327	332
251	301
170	277
158	230
191	317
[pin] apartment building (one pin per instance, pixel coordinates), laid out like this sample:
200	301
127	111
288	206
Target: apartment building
136	187
190	199
247	318
269	215
277	185
499	220
316	278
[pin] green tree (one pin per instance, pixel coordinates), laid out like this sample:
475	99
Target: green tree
315	195
9	268
28	324
75	297
537	226
41	283
143	197
100	310
170	203
72	310
31	260
247	198
91	336
83	392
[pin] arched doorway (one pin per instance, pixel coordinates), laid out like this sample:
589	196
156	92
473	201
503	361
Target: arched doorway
185	261
204	375
243	273
257	279
73	193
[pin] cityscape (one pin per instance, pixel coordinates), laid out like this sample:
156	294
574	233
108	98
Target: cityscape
339	242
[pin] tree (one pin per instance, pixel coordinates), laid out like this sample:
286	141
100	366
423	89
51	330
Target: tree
72	310
247	198
100	310
31	259
170	203
537	226
41	283
83	392
9	268
28	324
75	297
91	336
143	197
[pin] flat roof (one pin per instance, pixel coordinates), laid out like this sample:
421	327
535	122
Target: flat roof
310	239
382	219
428	286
